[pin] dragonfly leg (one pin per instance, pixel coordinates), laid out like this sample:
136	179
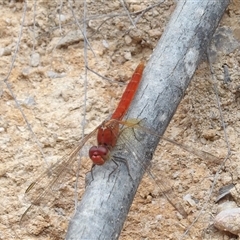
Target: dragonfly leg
135	135
113	169
92	171
89	182
89	179
119	159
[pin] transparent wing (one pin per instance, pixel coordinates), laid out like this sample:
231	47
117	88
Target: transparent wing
134	129
44	189
139	125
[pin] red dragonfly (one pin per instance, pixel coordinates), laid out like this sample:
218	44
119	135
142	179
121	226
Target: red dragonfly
108	131
107	136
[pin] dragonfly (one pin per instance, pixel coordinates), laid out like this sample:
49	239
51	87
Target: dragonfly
108	133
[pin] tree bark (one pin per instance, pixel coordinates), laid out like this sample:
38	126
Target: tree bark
107	199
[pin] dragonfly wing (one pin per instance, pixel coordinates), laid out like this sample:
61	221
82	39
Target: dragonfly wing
140	125
199	153
44	190
129	133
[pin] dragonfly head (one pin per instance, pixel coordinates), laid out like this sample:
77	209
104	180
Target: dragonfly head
99	154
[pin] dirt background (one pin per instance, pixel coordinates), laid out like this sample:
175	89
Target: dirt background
49	83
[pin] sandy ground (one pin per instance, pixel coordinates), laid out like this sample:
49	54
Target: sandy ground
49	85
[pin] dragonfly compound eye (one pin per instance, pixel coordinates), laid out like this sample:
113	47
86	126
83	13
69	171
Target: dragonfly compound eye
98	154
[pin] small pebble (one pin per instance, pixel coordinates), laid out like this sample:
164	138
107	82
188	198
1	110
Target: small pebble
128	39
52	74
60	17
229	221
189	199
235	193
128	56
105	43
27	71
35	59
28	101
5	51
209	134
226	205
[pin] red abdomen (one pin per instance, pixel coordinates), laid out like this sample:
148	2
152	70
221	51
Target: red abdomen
129	93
